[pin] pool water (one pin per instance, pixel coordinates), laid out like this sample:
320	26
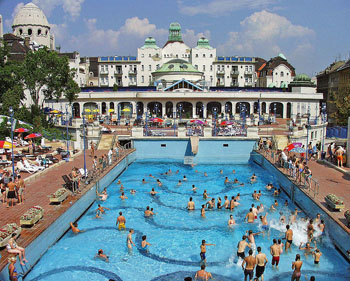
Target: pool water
175	234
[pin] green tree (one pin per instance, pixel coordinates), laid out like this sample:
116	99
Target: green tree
47	76
341	100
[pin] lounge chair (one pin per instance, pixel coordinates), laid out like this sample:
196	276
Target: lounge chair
31	166
68	183
22	168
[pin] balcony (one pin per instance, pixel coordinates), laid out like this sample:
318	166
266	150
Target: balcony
234	84
234	72
132	72
104	83
220	84
248	72
103	72
132	83
118	73
220	72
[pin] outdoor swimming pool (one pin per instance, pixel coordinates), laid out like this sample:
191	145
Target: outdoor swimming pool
176	234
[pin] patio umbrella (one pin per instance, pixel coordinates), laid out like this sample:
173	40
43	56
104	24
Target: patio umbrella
294	145
21	130
33	136
110	110
156	119
197	122
55	111
87	110
96	110
6	145
225	123
298	150
127	109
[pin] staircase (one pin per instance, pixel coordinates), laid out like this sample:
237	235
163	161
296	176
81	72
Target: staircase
194	144
106	142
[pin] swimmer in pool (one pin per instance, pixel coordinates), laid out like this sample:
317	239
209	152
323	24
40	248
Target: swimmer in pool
204	251
100	211
203	211
205	174
231	221
148	212
205	195
121	221
75	229
190	205
144	243
153	192
144	181
101	255
194	188
179	183
253	178
184	178
123	196
265	224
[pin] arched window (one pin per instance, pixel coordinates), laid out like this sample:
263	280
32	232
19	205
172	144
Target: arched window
282	74
30	31
39	31
20	31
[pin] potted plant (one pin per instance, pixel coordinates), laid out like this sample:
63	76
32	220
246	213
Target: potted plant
6	233
334	202
32	216
59	195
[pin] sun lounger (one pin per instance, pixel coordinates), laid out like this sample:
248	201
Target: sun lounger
31	166
22	168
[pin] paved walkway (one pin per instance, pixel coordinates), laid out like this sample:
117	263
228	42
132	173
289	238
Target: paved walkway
37	191
330	181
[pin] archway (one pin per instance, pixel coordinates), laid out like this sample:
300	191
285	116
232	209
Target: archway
184	109
276	108
263	107
200	109
256	108
289	110
169	109
212	107
103	111
243	107
139	109
124	110
76	110
155	108
90	107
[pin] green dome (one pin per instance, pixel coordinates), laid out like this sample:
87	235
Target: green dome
177	65
175	26
150	42
175	32
284	85
203	43
302	78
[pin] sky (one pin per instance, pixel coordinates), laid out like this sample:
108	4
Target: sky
310	33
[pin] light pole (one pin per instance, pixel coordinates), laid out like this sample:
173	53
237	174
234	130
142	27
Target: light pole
67	133
240	110
324	120
226	110
274	112
84	134
307	133
243	112
214	111
203	112
119	113
174	116
180	109
12	155
146	125
156	109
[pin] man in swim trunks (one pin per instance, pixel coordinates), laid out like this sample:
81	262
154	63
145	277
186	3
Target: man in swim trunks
265	224
202	274
249	263
190	205
211	204
203	251
339	152
307	248
75	228
203	211
100	211
275	251
148	212
194	188
251	238
241	247
121	221
227	203
232	203
322	226
261	261
289	237
205	195
250	217
310	230
297	267
317	255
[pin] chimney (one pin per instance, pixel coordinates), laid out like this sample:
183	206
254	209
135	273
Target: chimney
27	42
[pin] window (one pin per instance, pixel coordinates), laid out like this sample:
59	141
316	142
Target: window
211	78
276	74
211	55
30	31
203	67
223	68
203	55
142	55
143	79
158	66
150	67
218	67
282	74
39	31
246	68
20	31
177	55
287	73
196	66
149	55
211	68
250	68
142	68
196	55
91	84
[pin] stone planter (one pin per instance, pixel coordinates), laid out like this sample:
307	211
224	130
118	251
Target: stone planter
4	242
33	221
59	199
334	206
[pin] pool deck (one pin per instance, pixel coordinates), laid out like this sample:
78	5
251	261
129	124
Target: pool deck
331	180
38	187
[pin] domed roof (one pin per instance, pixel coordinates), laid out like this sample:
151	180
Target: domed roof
302	77
150	42
282	56
177	65
203	43
272	85
175	26
30	14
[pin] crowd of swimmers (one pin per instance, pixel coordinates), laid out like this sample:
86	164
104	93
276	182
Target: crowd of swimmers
252	264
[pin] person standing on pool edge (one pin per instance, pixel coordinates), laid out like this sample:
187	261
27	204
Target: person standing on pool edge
203	251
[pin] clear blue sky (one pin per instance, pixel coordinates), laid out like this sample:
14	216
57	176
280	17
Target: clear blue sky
310	33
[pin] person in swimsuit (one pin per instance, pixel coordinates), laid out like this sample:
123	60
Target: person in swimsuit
144	181
317	255
144	243
288	237
249	263
204	251
253	179
75	229
322	227
153	192
194	188
250	217
148	212
310	230
190	205
297	267
184	178
241	247
231	221
179	183
275	251
123	196
205	195
13	275
121	221
101	255
129	241
11	194
226	203
21	187
13	248
232	203
218	204
211	204
308	249
100	211
202	274
261	261
265	224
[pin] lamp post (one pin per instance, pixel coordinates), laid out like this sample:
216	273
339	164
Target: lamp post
67	133
146	125
119	113
12	155
226	110
84	134
174	116
244	114
156	108
203	112
214	111
307	133
324	120
180	109
240	110
274	112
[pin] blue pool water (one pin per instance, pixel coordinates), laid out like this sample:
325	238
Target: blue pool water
176	234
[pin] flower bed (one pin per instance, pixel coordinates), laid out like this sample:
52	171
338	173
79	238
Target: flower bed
32	216
6	233
334	202
59	196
